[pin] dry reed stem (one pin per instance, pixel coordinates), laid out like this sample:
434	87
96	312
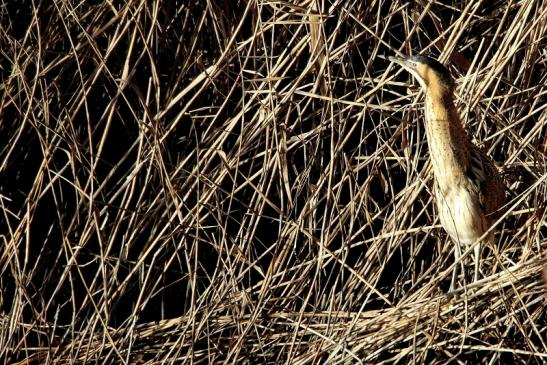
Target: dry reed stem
248	182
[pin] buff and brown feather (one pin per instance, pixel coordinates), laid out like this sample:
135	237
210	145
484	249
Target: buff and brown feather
468	188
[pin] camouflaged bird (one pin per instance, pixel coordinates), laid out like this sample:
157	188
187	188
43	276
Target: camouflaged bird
468	188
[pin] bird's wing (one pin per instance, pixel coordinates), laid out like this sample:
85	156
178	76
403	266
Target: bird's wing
485	181
476	173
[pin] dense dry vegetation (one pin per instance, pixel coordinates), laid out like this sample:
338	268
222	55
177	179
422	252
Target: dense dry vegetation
247	182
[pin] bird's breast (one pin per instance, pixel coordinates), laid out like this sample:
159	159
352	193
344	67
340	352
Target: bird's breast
460	213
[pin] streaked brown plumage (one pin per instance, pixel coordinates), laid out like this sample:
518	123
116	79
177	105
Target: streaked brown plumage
468	188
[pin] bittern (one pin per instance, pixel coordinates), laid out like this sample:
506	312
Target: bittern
467	186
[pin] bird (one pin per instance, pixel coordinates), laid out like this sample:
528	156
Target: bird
468	188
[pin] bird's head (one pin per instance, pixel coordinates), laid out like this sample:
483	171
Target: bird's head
431	74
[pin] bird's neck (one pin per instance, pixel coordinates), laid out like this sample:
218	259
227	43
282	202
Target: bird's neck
448	143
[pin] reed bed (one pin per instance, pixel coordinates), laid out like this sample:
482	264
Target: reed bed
248	182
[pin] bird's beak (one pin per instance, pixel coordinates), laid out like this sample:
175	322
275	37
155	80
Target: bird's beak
403	62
